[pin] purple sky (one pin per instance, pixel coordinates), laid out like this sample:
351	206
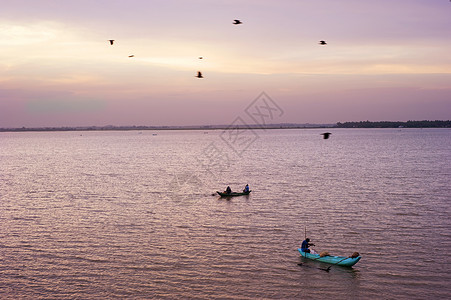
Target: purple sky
385	60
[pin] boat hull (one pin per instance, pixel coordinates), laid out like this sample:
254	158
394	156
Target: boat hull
233	194
334	260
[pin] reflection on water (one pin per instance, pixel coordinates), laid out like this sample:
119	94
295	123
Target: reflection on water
132	215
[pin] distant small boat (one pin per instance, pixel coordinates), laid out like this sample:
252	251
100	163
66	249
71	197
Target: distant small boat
334	260
233	194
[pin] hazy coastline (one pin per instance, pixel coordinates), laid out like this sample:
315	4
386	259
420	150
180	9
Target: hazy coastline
360	124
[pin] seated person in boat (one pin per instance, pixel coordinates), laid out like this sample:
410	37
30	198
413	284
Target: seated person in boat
246	188
228	190
305	244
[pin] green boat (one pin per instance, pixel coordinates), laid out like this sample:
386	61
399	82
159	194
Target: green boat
233	194
334	260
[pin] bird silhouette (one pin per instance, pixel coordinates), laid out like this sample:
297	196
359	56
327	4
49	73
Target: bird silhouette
131	55
111	42
236	22
199	74
322	43
326	135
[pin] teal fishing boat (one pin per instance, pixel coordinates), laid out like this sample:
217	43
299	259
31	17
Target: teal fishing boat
334	260
233	194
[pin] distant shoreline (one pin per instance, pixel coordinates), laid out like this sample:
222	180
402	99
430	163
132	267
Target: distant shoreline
135	128
395	124
361	124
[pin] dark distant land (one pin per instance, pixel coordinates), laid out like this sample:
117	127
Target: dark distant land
389	124
361	124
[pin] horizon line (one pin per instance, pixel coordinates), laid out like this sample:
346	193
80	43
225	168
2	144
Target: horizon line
347	124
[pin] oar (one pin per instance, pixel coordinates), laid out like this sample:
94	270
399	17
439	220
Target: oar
328	268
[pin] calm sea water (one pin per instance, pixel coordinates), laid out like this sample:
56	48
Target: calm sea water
104	215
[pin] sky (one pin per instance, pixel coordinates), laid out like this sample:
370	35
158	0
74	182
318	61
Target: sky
384	60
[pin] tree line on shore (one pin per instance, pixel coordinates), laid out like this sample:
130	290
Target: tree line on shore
391	124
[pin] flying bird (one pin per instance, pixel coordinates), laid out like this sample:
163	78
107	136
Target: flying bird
236	22
326	135
111	42
322	43
199	74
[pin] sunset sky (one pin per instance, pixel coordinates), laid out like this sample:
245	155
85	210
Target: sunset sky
384	60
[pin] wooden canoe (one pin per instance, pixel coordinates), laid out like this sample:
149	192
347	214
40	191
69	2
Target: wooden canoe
330	259
233	194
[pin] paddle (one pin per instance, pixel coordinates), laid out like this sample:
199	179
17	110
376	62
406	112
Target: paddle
328	268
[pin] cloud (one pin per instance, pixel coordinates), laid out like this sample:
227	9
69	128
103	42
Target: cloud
64	105
12	34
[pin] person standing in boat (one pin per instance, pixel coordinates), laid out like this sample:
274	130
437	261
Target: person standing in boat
305	244
246	189
228	190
